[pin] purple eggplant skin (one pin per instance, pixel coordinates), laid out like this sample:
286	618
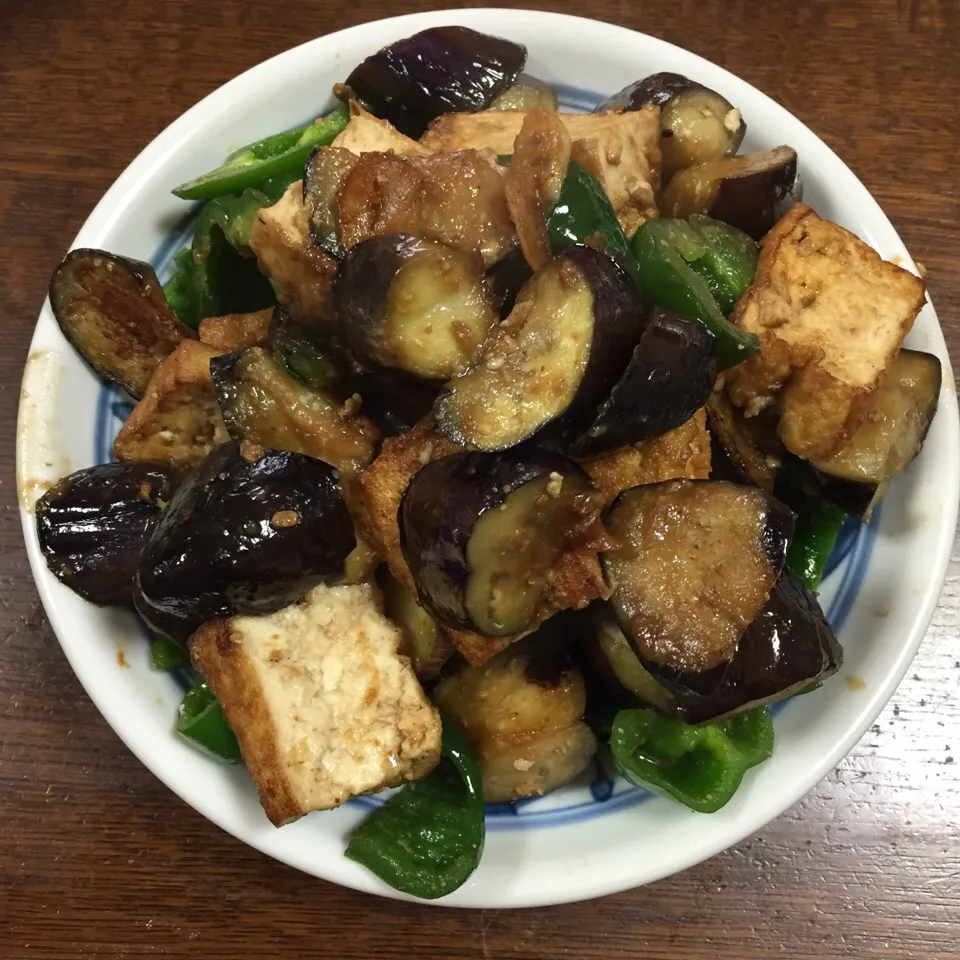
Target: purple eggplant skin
655	90
441	70
755	203
442	505
93	524
395	401
243	536
669	377
505	279
789	646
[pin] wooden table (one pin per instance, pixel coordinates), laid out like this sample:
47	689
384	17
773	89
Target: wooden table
98	859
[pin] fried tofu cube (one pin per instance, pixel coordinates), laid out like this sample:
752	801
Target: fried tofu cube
366	133
831	316
323	705
235	331
178	421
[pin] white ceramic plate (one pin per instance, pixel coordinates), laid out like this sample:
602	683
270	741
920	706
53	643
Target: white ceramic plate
587	840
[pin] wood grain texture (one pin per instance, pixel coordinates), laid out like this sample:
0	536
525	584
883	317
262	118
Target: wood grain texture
98	859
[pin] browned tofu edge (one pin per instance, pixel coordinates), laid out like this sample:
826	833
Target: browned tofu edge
235	331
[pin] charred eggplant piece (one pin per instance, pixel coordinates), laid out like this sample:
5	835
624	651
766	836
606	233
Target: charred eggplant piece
788	647
264	405
323	176
425	643
695	563
297	348
553	360
505	280
527	94
697	124
440	70
751	445
669	377
113	311
855	478
392	399
412	304
524	721
93	524
751	192
243	537
481	534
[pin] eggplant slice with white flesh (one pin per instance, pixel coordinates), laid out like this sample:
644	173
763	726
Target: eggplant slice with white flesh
703	595
415	305
553	361
481	534
526	94
441	70
263	404
669	377
856	477
93	524
246	533
112	309
750	192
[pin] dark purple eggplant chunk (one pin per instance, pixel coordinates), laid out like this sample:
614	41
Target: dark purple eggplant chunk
750	192
669	377
553	361
482	532
695	562
323	175
788	647
440	70
412	304
112	309
527	93
92	526
655	90
243	536
395	401
749	445
505	280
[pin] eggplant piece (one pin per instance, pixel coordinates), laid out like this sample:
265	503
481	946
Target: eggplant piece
553	360
392	399
243	536
93	524
113	311
264	405
855	478
482	533
412	304
505	280
298	350
528	93
695	562
669	377
789	646
440	70
323	175
697	124
751	192
427	646
751	444
525	722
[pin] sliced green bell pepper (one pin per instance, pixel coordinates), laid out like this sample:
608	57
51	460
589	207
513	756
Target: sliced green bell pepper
427	838
665	251
700	766
166	654
256	163
295	351
727	260
200	720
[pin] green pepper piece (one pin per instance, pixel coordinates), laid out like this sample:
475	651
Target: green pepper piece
295	351
427	838
200	720
166	654
727	262
664	249
181	289
245	169
582	213
700	766
271	146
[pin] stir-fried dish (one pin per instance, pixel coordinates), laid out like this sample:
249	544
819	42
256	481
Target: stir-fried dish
476	442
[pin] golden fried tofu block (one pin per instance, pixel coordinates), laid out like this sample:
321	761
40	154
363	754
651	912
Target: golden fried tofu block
831	316
366	133
178	421
235	331
322	703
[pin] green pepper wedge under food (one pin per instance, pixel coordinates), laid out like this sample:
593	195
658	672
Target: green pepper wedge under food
200	720
181	289
295	350
167	654
427	838
253	165
663	250
727	260
700	766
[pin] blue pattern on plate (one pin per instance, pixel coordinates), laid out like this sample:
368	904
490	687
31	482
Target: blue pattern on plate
607	793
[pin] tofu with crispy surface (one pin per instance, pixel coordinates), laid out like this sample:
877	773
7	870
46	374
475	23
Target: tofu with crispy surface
303	274
178	421
323	705
681	453
366	133
831	316
621	149
235	331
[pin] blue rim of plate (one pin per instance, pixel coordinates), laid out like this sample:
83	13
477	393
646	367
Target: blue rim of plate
608	793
